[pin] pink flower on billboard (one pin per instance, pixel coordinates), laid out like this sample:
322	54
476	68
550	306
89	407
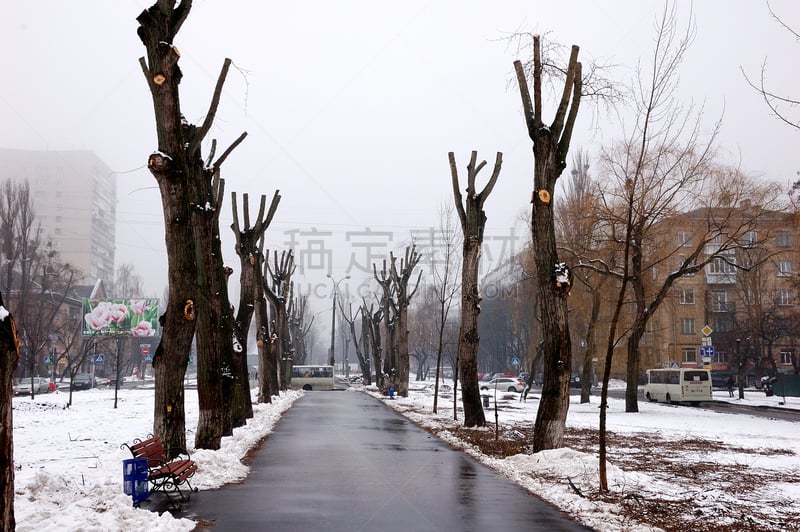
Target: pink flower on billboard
144	328
138	306
134	317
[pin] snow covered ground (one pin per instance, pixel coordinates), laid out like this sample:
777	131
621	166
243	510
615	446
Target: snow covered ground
69	463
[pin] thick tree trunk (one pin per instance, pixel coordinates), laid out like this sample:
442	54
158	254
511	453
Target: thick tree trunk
265	367
403	358
468	338
550	148
214	322
9	356
473	222
158	26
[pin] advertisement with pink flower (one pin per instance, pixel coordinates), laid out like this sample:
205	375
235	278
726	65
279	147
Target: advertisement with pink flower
131	317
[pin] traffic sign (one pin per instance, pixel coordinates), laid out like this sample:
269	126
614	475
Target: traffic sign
515	361
707	330
707	351
148	357
99	359
705	341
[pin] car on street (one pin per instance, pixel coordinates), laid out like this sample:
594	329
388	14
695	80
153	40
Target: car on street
83	381
504	384
40	385
575	380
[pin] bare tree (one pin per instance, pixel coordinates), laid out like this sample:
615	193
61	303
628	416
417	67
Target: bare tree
191	192
444	286
299	328
473	222
279	292
401	277
779	105
663	168
358	340
550	149
371	320
388	323
249	248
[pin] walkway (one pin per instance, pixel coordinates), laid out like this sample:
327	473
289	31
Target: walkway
343	461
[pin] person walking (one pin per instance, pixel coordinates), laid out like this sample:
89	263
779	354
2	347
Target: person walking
729	384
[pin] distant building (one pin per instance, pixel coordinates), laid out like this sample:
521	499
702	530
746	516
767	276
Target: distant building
74	195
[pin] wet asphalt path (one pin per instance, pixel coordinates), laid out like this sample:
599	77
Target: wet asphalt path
343	461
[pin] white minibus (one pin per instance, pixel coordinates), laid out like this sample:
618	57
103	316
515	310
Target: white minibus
312	378
678	385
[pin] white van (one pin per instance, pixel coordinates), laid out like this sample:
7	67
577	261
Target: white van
678	385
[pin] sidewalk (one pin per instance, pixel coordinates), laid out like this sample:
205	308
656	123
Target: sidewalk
344	461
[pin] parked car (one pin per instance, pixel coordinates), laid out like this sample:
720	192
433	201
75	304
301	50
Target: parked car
40	385
83	381
575	380
504	384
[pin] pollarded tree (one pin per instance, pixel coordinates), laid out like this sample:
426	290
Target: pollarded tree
553	277
279	291
249	248
473	222
401	276
371	322
299	328
363	357
191	193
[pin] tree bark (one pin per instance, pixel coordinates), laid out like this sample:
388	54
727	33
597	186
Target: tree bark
170	168
400	279
473	222
250	249
550	148
9	356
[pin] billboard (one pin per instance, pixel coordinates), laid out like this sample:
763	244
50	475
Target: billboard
130	317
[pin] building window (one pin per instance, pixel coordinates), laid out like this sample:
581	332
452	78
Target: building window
786	357
782	239
687	326
687	296
720	266
783	296
784	268
749	240
719	301
684	238
720	356
689	355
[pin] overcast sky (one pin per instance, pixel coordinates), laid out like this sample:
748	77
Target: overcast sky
352	106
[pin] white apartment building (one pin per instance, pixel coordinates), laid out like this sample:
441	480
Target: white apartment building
74	195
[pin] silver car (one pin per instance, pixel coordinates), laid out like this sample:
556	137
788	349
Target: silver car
40	385
504	384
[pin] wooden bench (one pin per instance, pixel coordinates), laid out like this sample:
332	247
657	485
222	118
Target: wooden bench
165	475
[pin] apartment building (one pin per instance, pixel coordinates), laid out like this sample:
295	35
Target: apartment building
742	305
74	195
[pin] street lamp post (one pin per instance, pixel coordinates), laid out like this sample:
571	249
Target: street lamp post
332	358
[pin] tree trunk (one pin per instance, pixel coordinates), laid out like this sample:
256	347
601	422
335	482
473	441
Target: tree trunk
214	320
265	367
169	166
9	356
550	148
591	346
468	338
473	222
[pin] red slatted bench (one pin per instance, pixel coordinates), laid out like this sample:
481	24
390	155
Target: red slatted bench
165	475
